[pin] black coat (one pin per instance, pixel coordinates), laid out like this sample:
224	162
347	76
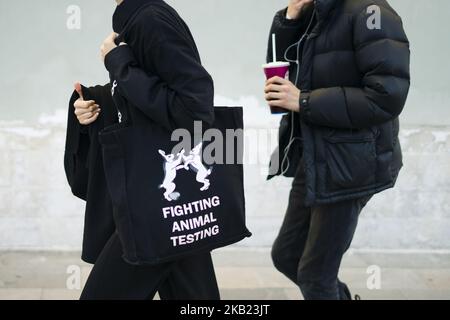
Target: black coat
160	66
354	82
160	80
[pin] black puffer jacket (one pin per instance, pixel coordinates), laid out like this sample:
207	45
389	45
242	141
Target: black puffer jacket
354	82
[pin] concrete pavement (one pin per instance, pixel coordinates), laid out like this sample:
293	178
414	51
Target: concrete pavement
242	274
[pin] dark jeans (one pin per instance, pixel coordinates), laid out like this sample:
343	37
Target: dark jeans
312	242
112	278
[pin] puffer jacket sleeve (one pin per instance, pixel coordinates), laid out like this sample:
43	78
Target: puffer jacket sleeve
383	59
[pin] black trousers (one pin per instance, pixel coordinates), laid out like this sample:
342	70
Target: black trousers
312	242
112	278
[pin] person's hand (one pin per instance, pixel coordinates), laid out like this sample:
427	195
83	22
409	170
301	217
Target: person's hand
87	112
295	7
283	94
109	44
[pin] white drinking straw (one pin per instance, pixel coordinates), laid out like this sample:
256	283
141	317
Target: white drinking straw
274	47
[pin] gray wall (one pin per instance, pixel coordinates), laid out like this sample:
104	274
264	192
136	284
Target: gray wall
40	59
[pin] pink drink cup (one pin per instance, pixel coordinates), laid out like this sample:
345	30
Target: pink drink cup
276	69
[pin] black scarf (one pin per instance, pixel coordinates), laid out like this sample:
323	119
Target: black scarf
125	11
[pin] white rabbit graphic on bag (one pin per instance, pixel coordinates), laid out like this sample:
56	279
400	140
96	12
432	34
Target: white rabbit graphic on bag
194	161
174	163
170	168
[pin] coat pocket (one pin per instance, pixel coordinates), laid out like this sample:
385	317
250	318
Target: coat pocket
114	162
351	161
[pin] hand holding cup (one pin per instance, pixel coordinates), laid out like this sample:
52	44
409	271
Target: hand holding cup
282	94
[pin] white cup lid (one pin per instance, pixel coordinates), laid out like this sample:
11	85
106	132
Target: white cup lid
276	64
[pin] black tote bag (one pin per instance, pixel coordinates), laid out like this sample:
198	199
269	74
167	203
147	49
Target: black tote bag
167	205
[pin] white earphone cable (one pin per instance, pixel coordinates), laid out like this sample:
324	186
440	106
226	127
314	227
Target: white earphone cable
297	61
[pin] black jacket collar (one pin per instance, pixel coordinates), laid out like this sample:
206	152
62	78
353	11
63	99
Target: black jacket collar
323	8
125	11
